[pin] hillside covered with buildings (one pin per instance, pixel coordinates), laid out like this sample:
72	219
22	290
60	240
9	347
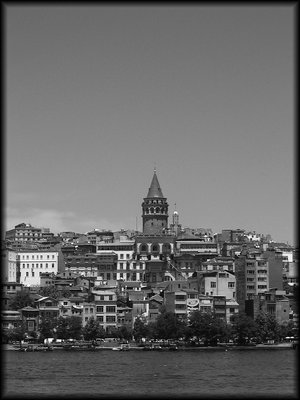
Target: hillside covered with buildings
121	277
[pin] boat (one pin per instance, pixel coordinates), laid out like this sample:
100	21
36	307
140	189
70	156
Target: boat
283	345
78	346
122	347
172	347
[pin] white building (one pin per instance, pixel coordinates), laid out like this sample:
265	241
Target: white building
34	262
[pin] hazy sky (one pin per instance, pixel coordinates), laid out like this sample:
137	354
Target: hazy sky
96	96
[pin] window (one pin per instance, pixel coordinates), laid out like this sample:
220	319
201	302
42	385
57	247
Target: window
110	297
23	265
52	265
121	256
48	256
32	274
110	318
110	309
32	257
128	256
86	310
180	306
231	284
213	284
100	318
27	273
46	265
91	310
99	308
121	265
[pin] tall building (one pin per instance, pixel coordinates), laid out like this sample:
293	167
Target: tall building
155	246
155	209
252	277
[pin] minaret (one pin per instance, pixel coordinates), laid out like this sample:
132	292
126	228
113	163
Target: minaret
155	209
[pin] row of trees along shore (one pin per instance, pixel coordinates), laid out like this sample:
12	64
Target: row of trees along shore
200	326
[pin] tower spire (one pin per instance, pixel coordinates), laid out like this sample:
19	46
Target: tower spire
155	190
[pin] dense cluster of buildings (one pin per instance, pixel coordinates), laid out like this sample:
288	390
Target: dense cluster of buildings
119	276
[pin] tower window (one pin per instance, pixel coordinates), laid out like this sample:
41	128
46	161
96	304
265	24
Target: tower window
152	210
157	210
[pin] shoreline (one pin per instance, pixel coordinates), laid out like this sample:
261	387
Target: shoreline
8	347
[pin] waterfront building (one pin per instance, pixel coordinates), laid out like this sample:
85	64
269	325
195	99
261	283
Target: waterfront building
232	309
105	299
10	319
31	318
88	311
48	307
35	262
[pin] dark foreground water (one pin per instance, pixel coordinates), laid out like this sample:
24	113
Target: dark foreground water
138	373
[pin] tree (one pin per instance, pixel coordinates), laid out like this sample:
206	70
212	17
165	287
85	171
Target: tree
124	333
169	326
20	300
93	330
244	328
17	333
69	327
140	329
208	327
267	327
74	327
62	328
46	328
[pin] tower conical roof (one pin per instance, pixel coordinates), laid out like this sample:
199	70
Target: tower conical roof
155	190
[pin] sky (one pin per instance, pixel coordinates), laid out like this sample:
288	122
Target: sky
97	96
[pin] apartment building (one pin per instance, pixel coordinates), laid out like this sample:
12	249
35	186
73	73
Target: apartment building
252	277
105	299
